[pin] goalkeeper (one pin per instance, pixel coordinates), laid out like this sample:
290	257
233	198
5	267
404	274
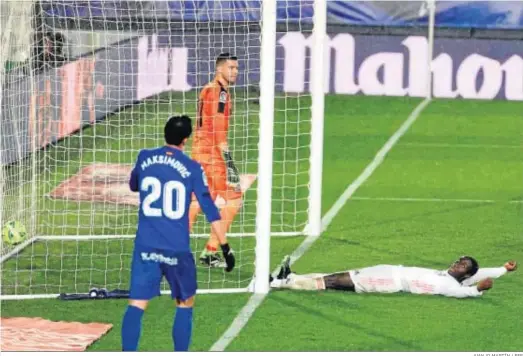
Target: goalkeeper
462	279
166	178
211	150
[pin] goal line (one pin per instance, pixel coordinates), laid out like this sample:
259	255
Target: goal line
34	239
163	292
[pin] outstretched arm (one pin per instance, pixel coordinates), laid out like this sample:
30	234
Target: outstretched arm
467	292
495	272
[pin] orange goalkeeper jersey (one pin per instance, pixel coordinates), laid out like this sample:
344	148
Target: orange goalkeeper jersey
212	120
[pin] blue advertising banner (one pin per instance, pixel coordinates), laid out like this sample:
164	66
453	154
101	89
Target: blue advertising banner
60	102
460	14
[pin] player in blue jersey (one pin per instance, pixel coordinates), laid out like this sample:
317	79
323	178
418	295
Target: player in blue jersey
166	179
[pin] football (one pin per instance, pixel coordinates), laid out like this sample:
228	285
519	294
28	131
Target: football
14	233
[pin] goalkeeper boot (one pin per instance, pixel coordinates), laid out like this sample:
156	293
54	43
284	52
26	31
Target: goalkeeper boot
212	260
285	268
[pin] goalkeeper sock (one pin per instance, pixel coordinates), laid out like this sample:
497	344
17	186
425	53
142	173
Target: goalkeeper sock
194	210
182	329
209	250
131	328
227	213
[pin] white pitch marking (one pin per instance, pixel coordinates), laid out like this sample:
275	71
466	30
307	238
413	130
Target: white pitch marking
438	200
456	145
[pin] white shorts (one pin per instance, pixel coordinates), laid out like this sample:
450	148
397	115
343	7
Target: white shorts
377	279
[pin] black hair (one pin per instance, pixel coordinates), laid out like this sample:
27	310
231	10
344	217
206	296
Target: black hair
177	129
222	57
474	266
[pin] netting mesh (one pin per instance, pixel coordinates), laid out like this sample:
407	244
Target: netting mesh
98	87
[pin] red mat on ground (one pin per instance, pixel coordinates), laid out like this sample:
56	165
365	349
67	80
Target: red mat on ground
37	334
109	183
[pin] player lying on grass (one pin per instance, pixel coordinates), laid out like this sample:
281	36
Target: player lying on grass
166	178
458	281
211	150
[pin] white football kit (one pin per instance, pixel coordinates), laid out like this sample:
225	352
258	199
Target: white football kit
417	280
397	278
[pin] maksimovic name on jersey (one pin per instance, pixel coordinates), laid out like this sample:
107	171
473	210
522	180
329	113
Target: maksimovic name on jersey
160	159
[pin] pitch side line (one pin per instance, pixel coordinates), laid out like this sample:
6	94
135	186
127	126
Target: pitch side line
457	145
438	200
255	301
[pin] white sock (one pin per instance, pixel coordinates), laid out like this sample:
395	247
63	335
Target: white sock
305	282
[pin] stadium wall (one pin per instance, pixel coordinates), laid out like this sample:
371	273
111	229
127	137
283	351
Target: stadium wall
61	101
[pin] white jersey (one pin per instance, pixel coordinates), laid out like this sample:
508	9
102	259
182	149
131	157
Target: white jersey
417	280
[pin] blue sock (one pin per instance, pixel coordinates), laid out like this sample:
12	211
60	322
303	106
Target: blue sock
182	329
131	328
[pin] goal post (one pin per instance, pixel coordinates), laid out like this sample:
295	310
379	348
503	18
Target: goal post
318	73
74	127
265	147
431	8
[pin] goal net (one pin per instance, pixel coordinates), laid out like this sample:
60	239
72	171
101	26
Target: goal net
96	83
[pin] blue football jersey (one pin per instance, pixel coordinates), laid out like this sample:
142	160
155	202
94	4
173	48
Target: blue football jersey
166	179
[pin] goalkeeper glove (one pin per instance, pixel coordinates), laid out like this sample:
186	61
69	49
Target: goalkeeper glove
233	176
229	257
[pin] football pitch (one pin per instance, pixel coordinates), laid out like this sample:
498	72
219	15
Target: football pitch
452	185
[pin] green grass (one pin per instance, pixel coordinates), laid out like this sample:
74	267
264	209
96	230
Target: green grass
456	150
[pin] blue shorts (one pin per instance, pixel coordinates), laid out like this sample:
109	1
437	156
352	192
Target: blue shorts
148	267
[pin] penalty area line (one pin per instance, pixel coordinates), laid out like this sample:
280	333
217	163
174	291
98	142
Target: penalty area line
458	145
256	300
436	200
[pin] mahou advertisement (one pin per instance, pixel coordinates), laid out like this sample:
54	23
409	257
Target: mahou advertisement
398	66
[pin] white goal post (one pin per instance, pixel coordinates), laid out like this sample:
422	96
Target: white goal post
71	127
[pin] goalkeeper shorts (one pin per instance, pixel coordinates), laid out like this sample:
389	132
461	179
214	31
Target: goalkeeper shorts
215	170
